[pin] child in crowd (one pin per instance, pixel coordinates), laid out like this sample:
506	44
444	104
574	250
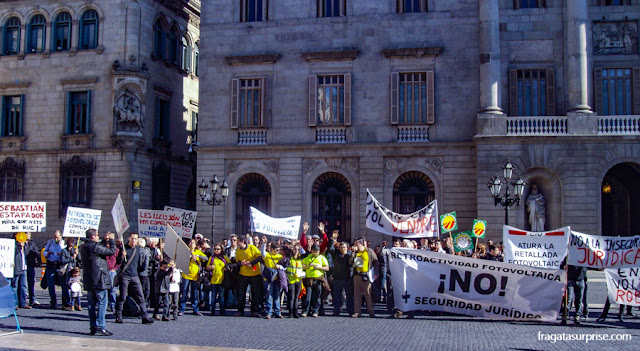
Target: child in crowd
75	288
174	289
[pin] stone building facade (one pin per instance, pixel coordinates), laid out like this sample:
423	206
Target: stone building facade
97	95
309	103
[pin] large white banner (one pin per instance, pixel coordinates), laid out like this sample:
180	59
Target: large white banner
283	227
177	249
425	280
535	249
188	219
23	217
603	251
623	285
119	217
79	219
7	256
422	223
154	224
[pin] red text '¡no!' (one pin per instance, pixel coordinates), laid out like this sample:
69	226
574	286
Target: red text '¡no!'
603	259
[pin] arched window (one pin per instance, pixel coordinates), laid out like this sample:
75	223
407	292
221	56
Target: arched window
62	32
411	192
196	59
159	46
253	190
11	37
331	204
36	35
173	46
186	54
76	184
11	180
88	30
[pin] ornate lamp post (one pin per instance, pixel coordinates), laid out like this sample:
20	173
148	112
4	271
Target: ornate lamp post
211	199
506	200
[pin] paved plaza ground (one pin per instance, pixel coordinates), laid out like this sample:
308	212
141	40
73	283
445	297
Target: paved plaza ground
46	329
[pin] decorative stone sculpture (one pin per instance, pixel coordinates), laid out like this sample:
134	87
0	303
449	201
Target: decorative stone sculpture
128	114
536	209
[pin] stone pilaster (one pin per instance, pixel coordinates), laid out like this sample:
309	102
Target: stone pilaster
489	36
576	62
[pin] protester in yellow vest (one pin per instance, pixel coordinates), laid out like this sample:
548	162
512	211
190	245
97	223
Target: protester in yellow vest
217	265
274	289
315	266
295	275
190	280
361	280
249	257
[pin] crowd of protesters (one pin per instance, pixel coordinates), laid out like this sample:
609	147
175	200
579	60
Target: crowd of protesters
300	275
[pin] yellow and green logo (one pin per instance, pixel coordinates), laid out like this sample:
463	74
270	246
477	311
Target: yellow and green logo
479	228
448	222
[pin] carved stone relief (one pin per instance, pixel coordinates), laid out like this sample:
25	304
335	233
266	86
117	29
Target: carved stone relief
615	38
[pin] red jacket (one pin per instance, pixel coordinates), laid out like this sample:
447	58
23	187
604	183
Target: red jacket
323	245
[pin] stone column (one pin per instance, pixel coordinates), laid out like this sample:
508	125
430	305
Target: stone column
132	32
489	35
576	63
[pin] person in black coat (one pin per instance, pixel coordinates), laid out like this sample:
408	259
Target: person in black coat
96	278
33	260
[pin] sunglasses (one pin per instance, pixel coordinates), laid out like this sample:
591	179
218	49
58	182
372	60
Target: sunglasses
217	249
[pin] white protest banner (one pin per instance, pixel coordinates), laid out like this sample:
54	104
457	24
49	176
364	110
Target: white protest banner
623	285
23	217
188	219
425	280
119	217
7	256
79	219
603	251
177	249
535	249
420	224
152	223
283	227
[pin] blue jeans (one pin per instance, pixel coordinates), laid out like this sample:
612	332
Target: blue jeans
311	302
51	274
19	285
195	294
575	289
273	294
112	292
97	302
217	295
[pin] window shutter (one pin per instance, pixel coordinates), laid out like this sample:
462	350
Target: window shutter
635	86
430	98
21	118
4	116
313	100
235	101
551	92
597	87
87	118
513	92
158	116
166	120
394	97
263	101
347	99
69	114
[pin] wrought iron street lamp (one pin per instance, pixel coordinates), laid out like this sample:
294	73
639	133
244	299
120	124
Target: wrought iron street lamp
508	199
210	197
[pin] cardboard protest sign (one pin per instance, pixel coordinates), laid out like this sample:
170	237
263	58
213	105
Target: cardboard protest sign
623	285
152	223
119	217
79	219
188	219
479	228
462	241
177	249
448	222
7	256
420	224
282	227
603	251
535	249
426	280
23	217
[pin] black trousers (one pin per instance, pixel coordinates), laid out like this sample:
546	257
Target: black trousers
256	293
146	287
134	284
292	298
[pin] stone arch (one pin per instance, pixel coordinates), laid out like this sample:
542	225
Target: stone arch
91	6
61	9
391	180
605	177
10	14
252	189
129	105
550	186
332	203
37	11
